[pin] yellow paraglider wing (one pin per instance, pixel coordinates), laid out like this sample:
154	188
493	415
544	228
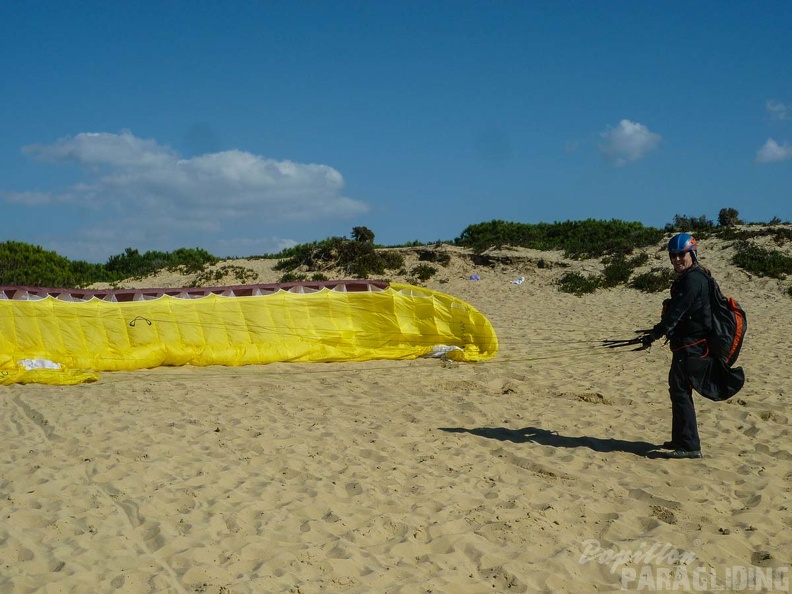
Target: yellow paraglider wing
322	322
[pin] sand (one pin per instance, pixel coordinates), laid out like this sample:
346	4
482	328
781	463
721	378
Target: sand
527	473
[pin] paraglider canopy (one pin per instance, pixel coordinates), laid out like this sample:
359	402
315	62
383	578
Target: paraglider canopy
81	332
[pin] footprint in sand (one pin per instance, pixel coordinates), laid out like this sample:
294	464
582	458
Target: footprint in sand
353	489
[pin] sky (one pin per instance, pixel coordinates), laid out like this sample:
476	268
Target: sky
247	127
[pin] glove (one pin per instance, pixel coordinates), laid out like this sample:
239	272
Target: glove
646	340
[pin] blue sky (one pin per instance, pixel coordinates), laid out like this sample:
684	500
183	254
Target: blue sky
246	127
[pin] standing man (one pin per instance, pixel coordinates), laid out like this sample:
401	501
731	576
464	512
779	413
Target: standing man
686	321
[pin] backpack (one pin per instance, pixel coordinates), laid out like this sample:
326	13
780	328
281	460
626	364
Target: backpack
729	325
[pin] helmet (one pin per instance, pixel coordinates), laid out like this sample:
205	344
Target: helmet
682	242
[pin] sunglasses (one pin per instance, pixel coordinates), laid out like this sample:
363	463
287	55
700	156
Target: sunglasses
674	255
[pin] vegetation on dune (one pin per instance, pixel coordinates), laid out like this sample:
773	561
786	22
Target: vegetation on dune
653	281
134	264
614	243
703	226
763	262
423	272
621	247
577	239
619	271
357	257
239	274
699	226
31	265
579	284
619	268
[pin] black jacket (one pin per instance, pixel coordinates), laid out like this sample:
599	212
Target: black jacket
687	319
687	316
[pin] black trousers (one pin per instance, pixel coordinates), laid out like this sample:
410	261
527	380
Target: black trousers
684	428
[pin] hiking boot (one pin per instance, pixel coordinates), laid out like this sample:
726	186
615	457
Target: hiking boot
680	454
670	445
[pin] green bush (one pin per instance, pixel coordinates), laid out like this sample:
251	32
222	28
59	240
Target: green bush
134	264
617	271
762	262
699	226
729	217
578	284
239	274
780	234
578	239
207	277
314	255
618	268
391	260
292	277
595	238
364	265
423	272
25	264
357	258
442	258
362	234
189	260
30	265
654	281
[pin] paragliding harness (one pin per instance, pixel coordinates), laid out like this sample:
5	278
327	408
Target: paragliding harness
729	324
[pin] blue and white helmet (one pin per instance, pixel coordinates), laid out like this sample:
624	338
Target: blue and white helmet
683	242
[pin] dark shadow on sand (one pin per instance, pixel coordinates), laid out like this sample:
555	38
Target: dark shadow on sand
552	438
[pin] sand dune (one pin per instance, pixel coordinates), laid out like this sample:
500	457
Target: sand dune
524	474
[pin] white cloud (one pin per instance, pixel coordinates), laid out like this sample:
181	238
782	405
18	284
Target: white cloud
96	149
27	198
144	189
777	110
772	152
629	141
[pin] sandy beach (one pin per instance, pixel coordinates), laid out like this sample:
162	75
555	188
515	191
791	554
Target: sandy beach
527	473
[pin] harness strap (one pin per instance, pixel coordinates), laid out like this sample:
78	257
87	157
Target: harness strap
687	346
